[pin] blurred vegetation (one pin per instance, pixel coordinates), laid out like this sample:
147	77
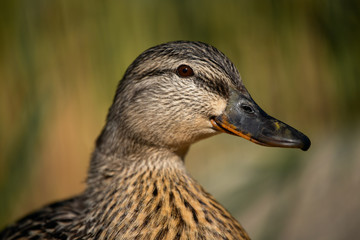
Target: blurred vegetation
60	62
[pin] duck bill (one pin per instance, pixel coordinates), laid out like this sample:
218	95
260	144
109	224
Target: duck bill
243	117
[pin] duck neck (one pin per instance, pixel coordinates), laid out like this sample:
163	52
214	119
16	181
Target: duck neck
117	156
150	187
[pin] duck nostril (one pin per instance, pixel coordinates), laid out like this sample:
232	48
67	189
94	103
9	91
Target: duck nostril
247	108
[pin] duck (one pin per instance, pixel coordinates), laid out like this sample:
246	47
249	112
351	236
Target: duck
171	96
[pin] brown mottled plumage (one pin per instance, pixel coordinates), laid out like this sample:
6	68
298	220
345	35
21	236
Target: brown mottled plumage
137	186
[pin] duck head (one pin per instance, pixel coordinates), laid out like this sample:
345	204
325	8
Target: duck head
180	92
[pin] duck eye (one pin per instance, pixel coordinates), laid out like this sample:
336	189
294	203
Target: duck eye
185	71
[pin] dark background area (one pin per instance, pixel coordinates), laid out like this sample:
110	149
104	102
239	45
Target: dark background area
60	62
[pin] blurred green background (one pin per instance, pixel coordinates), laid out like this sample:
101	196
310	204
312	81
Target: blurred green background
60	62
